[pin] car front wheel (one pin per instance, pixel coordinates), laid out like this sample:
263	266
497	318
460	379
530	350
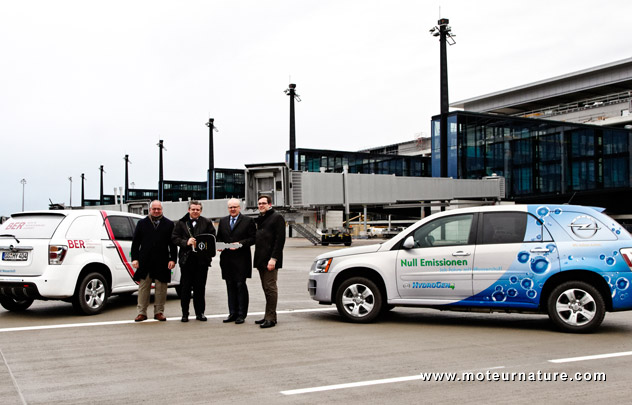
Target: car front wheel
576	306
91	294
359	300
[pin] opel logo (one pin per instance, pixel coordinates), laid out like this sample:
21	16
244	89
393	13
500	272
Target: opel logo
584	227
202	245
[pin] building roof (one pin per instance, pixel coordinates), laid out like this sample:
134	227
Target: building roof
607	79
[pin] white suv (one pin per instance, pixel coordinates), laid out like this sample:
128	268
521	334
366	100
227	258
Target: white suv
81	256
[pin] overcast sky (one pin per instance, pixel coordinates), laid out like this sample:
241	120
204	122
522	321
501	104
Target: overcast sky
83	83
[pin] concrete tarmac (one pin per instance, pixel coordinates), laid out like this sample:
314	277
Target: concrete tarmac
49	355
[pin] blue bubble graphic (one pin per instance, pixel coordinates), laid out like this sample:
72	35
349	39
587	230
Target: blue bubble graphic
558	211
618	231
623	283
602	257
551	247
527	283
540	265
498	296
513	279
499	288
543	211
523	257
512	292
614	253
532	294
610	261
570	257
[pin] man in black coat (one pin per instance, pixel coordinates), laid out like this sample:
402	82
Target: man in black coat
153	257
270	240
194	259
236	263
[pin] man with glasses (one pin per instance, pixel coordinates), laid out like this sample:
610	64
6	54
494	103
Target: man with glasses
153	258
236	262
270	239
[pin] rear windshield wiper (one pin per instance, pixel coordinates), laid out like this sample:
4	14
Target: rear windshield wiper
11	236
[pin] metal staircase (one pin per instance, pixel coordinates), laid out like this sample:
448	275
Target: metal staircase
308	231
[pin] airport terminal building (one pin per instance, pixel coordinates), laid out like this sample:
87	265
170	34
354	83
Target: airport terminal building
561	139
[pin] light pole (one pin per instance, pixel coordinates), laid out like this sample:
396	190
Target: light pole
210	182
23	181
101	197
83	196
127	162
70	179
291	91
161	181
444	32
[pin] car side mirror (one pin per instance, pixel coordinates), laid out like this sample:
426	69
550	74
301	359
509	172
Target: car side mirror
409	243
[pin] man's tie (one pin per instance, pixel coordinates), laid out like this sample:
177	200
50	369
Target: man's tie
232	223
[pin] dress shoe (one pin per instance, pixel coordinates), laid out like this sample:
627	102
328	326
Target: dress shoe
267	324
231	318
239	320
140	318
185	318
201	317
160	317
260	321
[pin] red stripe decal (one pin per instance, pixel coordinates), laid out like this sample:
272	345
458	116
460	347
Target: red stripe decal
119	249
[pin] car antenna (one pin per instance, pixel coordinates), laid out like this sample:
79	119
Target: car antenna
571	199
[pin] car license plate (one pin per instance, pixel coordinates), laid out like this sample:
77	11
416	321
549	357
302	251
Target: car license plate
14	256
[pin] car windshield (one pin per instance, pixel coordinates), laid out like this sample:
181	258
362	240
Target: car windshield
30	226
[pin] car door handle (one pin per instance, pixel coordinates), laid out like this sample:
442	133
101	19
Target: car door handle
461	253
540	250
111	247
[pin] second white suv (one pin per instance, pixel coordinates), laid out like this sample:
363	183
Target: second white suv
81	256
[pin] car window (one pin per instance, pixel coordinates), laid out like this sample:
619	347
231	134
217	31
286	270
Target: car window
512	227
32	226
121	227
446	231
135	222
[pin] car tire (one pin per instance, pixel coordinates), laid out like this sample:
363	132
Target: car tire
359	300
347	243
576	306
15	305
325	243
91	294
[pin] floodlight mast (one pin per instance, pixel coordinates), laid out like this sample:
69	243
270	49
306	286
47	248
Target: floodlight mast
444	32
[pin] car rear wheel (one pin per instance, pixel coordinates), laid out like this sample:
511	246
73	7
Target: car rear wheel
91	294
359	300
576	306
15	305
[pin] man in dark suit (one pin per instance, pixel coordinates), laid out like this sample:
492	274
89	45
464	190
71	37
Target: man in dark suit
194	261
153	257
236	263
269	243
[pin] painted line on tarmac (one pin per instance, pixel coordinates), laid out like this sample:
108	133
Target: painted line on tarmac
352	385
593	357
15	382
81	325
419	376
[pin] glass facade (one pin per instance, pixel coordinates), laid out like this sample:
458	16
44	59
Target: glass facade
312	160
229	183
536	157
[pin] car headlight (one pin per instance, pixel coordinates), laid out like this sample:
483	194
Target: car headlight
322	265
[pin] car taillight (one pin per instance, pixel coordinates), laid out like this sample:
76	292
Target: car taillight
627	256
56	254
